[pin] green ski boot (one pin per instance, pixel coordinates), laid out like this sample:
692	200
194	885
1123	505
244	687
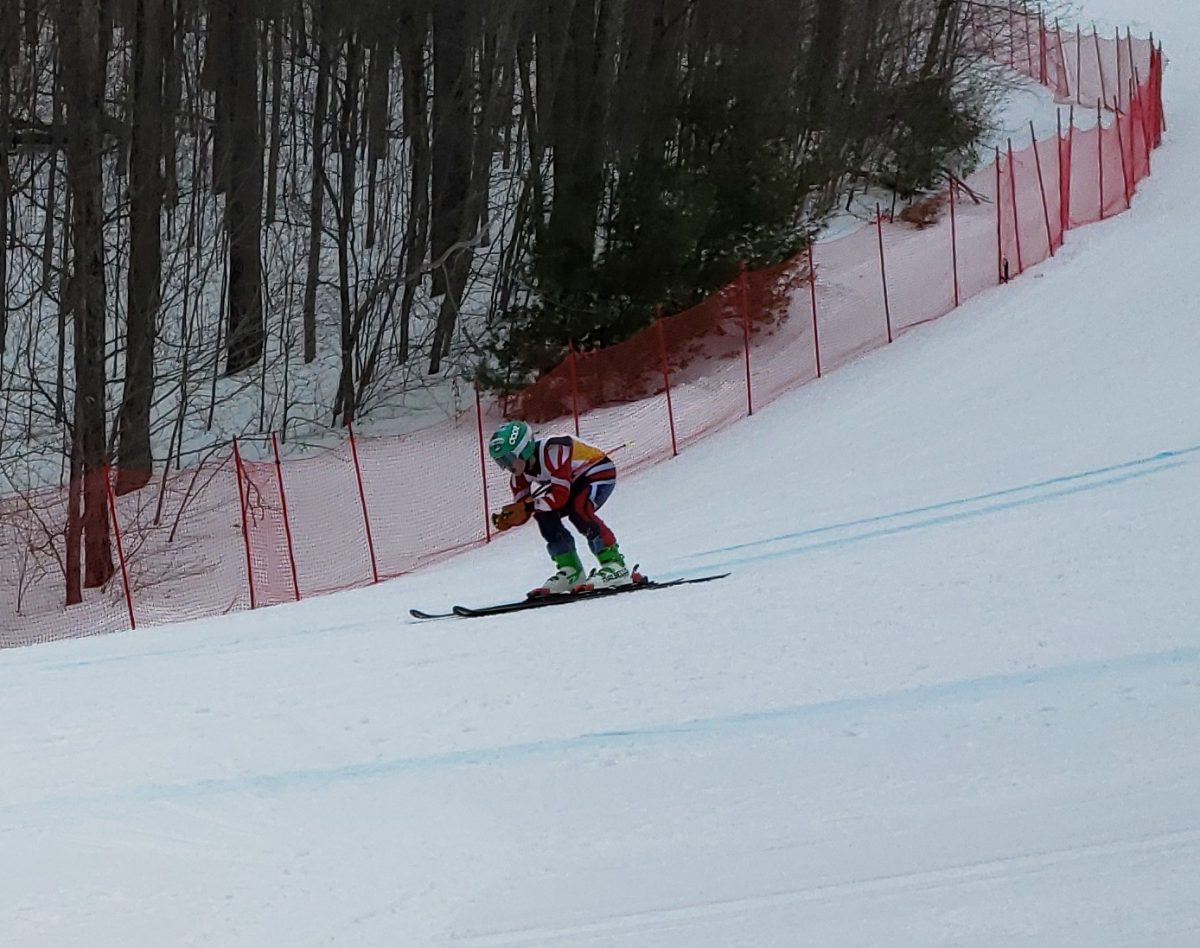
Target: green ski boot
612	571
570	572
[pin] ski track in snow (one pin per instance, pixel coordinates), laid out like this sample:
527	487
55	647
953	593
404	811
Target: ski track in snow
982	505
658	921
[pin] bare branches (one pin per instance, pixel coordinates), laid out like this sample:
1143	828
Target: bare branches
348	194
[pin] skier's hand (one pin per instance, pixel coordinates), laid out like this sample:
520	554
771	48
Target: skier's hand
512	515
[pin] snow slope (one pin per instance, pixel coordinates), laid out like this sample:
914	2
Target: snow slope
948	697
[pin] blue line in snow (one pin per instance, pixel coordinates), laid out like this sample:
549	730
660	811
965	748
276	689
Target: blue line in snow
910	699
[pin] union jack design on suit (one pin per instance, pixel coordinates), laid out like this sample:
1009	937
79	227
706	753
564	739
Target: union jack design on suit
568	478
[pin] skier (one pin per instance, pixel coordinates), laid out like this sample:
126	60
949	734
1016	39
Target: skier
555	479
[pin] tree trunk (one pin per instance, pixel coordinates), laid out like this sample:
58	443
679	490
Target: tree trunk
579	141
172	33
217	76
348	142
80	30
276	111
73	559
824	59
48	262
377	126
937	36
66	308
9	50
30	18
243	208
6	40
145	246
452	133
530	112
498	45
317	202
416	125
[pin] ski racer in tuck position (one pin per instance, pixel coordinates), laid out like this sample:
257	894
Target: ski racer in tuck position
556	479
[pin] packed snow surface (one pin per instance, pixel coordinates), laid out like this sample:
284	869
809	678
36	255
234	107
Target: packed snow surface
950	694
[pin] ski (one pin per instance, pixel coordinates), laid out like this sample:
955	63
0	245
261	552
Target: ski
539	602
418	614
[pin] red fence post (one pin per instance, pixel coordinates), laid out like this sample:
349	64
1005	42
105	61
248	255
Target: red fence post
1028	45
1133	66
287	526
662	349
1158	99
1064	182
1012	187
1070	158
487	520
1042	186
812	292
362	498
1001	274
1078	64
954	240
1145	113
1124	168
1129	64
1152	104
1120	78
887	308
112	510
1062	57
1100	152
1100	66
746	334
1137	127
1043	76
1146	95
237	462
1012	37
574	386
1127	86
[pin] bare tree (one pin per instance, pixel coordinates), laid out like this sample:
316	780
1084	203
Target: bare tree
317	200
145	242
414	30
376	116
8	59
640	141
83	43
277	106
453	127
243	208
348	143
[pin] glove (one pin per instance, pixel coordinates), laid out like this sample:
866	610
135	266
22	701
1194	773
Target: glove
512	515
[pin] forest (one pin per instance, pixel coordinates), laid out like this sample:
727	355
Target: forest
233	216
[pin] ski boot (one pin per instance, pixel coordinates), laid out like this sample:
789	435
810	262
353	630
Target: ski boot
570	572
611	573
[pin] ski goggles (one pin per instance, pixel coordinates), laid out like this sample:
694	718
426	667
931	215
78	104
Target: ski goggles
507	461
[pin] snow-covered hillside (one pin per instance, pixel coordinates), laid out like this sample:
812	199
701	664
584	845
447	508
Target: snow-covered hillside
948	695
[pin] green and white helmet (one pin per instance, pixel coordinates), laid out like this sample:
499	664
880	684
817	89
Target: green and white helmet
512	440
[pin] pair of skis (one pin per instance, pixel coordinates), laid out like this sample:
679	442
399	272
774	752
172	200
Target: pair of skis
541	602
